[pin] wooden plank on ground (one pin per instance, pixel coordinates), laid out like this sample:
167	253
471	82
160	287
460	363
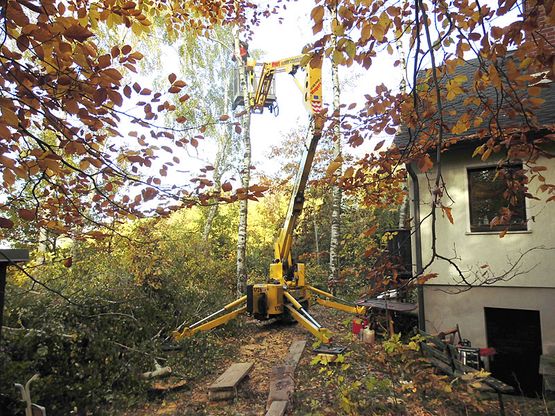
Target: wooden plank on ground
225	387
277	408
295	352
282	383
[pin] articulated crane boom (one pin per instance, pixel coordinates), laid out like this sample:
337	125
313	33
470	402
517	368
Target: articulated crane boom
312	89
286	294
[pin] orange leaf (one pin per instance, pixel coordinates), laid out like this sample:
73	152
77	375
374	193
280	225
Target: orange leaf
447	212
317	14
78	33
425	163
149	193
10	117
425	277
370	231
9	177
105	60
6	223
379	145
26	214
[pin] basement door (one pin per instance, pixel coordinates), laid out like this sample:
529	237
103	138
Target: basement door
516	336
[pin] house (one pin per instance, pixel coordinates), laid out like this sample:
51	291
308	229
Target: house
503	293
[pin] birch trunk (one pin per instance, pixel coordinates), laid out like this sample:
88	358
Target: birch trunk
403	212
218	170
245	174
316	241
336	191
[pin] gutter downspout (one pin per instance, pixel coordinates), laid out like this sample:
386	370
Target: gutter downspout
417	244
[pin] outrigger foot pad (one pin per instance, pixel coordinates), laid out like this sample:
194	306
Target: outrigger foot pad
327	349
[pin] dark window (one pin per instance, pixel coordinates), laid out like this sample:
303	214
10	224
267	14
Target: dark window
497	194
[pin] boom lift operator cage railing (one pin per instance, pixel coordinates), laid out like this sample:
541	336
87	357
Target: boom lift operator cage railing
237	91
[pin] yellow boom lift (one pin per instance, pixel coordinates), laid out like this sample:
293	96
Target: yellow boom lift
286	294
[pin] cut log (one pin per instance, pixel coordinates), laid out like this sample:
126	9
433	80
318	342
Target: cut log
277	408
225	387
159	372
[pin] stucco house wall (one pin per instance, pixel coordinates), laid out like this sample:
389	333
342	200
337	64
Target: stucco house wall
533	285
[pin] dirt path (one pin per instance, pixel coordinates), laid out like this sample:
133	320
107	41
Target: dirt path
264	344
267	344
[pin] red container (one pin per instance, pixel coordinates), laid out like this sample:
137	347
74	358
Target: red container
359	325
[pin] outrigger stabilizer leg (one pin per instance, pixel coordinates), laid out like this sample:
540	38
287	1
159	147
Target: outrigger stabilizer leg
213	320
302	316
334	302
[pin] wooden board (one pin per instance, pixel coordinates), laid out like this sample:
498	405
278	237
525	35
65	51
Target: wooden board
439	344
277	408
445	357
430	351
295	353
225	387
282	383
441	365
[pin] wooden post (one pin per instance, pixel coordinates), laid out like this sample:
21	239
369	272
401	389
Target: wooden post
8	256
501	405
3	267
390	323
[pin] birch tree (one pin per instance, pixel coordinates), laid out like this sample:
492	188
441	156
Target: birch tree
244	172
336	190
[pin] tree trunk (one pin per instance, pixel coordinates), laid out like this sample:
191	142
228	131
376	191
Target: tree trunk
218	171
245	174
3	267
336	191
403	212
316	241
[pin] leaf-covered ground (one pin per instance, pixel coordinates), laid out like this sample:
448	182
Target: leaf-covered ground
371	381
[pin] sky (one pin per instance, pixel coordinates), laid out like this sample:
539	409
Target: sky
277	41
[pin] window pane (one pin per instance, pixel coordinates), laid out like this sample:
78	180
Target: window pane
489	197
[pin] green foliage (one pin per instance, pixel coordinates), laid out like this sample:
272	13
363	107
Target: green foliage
126	295
393	344
390	378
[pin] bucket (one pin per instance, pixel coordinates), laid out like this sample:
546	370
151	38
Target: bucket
368	336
